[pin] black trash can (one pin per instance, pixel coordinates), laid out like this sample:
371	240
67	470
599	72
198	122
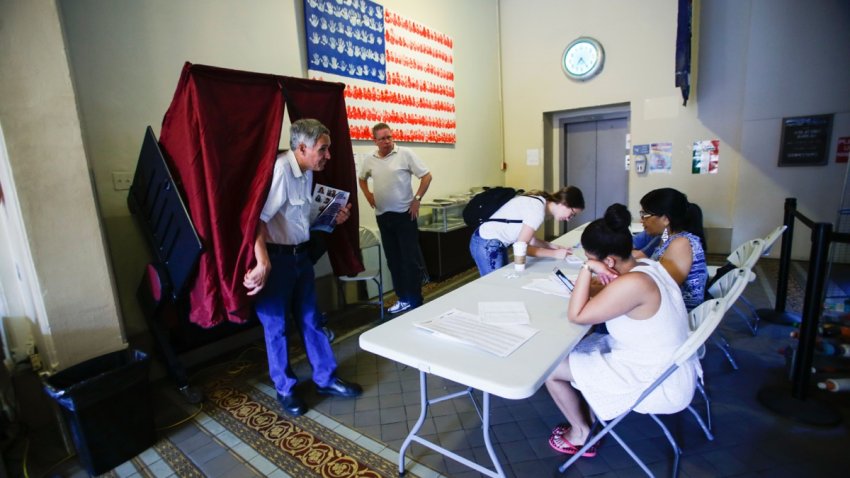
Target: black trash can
106	401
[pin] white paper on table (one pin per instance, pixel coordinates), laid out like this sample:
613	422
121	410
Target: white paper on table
574	258
501	340
503	313
547	286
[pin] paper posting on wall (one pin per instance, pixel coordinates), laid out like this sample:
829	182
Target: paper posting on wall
660	157
640	155
842	151
532	157
706	156
395	70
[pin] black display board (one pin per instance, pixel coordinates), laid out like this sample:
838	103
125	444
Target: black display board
805	140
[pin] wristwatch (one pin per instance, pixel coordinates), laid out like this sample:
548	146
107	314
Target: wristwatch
417	198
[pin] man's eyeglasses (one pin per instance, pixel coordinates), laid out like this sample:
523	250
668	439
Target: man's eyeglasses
644	214
385	138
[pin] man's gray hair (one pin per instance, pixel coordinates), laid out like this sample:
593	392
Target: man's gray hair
306	131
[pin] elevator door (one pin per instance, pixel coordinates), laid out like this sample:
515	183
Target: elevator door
595	163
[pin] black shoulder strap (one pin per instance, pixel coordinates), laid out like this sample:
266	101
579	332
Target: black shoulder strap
502	220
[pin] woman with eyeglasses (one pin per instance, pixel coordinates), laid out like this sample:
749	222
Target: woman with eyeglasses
646	319
517	221
667	215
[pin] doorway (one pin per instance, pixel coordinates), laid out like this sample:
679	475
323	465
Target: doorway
593	158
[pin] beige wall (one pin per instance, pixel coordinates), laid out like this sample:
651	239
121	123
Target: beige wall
127	55
58	249
747	77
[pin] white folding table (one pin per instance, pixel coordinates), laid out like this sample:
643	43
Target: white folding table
516	376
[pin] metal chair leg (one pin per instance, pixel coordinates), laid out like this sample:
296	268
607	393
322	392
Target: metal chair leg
677	452
707	400
723	345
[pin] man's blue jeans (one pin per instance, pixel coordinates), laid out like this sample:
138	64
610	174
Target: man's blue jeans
291	287
488	254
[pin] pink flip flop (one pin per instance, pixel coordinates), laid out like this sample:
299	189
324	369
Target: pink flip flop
560	429
562	445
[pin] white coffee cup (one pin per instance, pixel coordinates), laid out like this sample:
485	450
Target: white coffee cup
520	249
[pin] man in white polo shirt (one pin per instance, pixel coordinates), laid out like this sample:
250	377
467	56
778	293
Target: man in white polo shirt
391	168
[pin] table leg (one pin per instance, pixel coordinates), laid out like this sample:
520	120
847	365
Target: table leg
423	397
485	429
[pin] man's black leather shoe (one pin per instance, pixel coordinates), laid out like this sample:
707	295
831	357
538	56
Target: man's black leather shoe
340	388
292	404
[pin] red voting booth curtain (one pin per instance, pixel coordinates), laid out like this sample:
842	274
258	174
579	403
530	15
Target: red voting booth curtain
220	136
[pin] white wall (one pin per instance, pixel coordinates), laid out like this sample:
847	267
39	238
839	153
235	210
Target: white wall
127	56
746	79
58	248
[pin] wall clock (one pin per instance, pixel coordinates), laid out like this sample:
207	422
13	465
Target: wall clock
583	58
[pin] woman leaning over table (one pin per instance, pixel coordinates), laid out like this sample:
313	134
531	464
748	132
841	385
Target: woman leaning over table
647	321
667	213
489	243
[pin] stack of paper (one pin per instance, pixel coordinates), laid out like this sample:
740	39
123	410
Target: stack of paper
548	286
503	313
501	340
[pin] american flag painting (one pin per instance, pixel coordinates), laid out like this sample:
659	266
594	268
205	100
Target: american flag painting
396	70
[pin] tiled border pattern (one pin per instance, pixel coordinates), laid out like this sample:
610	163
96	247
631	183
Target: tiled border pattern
295	444
176	460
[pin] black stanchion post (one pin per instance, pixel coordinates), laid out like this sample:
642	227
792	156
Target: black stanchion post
795	406
777	315
812	304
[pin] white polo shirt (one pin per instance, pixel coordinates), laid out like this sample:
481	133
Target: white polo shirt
391	178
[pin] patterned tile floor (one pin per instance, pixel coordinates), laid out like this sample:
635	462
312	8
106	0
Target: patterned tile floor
750	440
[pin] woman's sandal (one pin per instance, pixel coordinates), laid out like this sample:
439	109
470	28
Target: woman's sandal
562	445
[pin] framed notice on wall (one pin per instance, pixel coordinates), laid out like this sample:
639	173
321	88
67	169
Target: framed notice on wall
805	140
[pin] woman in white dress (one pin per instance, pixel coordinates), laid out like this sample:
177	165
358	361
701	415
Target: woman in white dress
643	310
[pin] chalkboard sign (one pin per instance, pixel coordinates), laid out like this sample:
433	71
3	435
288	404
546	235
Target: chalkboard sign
805	140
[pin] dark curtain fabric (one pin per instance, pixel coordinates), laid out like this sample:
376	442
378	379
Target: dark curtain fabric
683	49
325	102
220	136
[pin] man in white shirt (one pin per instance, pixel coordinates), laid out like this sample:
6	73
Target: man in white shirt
391	168
283	279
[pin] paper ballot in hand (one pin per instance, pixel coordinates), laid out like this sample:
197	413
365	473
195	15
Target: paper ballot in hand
327	202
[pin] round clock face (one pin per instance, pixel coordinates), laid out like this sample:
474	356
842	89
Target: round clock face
583	58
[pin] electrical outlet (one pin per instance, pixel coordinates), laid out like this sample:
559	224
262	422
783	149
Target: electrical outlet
121	180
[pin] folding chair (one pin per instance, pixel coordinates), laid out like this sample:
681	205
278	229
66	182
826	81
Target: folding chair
728	288
707	316
770	239
767	245
745	256
368	239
